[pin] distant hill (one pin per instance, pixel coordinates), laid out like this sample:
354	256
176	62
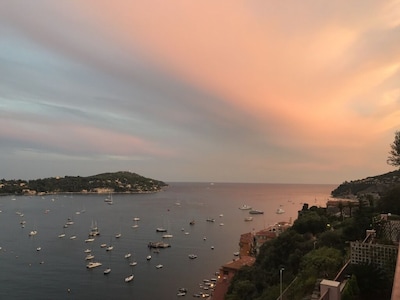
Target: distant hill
370	185
118	182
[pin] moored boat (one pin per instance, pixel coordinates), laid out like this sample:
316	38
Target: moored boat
129	278
245	207
93	264
256	212
280	211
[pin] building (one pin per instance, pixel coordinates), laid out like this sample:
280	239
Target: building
381	255
226	273
246	244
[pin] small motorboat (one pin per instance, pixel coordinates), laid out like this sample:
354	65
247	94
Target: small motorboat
107	271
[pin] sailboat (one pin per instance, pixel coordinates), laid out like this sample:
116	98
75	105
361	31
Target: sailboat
109	199
129	278
168	235
108	269
135	225
62	235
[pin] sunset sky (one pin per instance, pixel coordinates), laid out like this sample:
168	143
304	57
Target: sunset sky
215	91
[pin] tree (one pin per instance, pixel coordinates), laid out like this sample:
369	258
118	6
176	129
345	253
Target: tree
394	153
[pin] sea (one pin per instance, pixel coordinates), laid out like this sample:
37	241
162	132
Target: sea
52	263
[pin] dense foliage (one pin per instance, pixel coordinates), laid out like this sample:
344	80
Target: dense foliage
315	247
376	184
119	182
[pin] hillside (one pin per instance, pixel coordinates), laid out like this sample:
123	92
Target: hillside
370	185
118	182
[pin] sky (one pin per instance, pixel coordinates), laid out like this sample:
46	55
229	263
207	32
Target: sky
211	91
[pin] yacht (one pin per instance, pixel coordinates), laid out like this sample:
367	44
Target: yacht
148	257
129	278
89	256
127	255
192	256
248	219
159	266
33	232
93	264
107	271
256	212
109	248
245	207
280	211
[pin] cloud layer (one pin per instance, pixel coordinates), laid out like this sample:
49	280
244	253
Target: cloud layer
254	91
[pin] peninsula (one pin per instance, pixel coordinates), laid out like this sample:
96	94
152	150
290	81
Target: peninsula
118	182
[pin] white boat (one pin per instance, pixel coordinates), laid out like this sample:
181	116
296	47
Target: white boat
192	256
93	264
136	225
245	207
280	211
148	257
133	263
109	248
109	199
167	236
33	232
118	235
236	253
107	271
136	219
89	240
161	229
103	245
128	255
87	251
62	235
89	256
38	248
72	237
129	278
159	266
248	219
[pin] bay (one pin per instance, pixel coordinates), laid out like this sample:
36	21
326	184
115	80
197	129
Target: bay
58	270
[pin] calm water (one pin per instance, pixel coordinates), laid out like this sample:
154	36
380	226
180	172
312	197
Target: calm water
26	273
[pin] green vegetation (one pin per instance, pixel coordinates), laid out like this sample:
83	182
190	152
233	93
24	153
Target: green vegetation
119	182
394	153
314	248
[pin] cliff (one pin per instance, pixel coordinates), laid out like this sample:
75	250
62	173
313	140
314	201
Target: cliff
371	185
